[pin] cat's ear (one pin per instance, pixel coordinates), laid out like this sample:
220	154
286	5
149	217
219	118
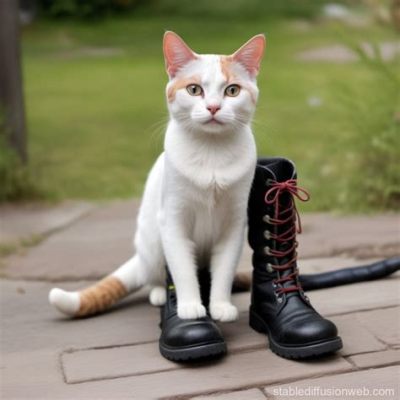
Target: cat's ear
250	54
176	53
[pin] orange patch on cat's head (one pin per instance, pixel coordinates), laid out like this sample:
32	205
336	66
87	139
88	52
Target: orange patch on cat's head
226	68
178	84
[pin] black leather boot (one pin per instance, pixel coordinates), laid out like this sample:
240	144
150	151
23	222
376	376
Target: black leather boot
188	339
279	307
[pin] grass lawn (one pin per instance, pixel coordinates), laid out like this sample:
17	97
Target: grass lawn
96	108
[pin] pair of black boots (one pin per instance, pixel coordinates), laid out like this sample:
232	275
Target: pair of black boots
279	308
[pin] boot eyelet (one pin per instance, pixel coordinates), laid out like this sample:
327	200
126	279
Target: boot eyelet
274	285
267	234
279	297
267	219
267	251
269	268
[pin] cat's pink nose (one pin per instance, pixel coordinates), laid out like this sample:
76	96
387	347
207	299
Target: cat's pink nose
213	108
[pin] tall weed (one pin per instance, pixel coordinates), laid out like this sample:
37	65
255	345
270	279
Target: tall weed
372	118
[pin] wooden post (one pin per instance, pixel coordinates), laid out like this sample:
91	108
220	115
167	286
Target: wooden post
11	95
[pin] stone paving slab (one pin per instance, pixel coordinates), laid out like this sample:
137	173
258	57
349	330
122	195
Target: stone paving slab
365	381
23	221
250	394
376	359
233	372
90	248
384	324
323	264
114	362
363	296
31	375
96	245
356	338
352	236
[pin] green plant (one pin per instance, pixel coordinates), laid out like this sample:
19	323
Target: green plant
16	181
372	112
84	8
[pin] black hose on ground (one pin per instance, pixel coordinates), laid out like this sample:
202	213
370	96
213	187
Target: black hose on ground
346	276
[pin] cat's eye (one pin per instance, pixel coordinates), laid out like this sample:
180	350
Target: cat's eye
194	90
232	90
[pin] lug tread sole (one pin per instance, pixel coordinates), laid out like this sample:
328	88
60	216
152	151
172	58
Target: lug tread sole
193	353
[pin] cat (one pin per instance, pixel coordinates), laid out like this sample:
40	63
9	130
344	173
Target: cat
193	211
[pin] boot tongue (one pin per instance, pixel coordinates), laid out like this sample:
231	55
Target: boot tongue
283	246
282	170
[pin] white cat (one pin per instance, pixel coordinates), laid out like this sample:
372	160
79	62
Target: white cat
193	212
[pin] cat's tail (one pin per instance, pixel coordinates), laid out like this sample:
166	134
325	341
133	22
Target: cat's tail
102	295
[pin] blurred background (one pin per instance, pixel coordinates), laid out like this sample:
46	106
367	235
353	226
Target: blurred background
93	85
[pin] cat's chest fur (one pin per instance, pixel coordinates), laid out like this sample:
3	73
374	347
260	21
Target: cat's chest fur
207	181
211	166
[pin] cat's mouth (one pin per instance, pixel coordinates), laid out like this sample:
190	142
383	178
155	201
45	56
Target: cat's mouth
213	121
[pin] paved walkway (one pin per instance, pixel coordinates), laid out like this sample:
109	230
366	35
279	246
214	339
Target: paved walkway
340	54
115	356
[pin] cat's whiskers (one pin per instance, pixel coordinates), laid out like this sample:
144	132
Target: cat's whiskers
157	129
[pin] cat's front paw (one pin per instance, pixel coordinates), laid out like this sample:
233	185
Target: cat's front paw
223	311
191	310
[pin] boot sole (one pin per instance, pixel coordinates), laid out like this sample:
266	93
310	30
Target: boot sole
193	353
311	350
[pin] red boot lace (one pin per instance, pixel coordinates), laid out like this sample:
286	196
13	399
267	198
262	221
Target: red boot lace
289	214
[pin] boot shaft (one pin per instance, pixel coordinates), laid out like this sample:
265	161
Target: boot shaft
273	225
261	214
